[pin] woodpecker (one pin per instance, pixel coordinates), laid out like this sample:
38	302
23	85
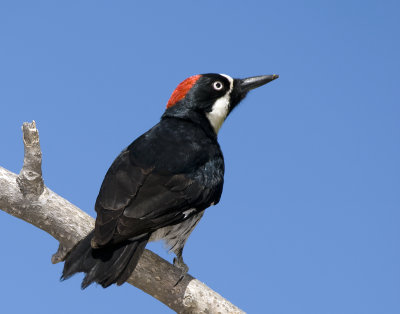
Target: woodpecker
160	185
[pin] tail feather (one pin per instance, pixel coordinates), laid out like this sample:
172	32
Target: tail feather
107	278
130	267
75	261
106	266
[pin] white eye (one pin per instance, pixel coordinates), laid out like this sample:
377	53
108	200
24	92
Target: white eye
218	85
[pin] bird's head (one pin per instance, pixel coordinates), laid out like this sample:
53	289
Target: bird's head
212	95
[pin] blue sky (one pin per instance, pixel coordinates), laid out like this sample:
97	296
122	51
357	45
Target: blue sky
309	217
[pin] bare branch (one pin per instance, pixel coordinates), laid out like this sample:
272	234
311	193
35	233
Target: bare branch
26	197
30	179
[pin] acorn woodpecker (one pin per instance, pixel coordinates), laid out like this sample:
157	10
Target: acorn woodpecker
160	185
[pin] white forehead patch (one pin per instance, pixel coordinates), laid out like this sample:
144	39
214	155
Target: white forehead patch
220	108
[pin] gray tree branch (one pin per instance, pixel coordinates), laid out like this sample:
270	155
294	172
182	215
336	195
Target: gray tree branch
26	197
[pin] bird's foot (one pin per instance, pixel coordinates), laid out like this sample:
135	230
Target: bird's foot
179	263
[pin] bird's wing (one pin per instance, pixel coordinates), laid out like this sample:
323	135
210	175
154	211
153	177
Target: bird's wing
134	200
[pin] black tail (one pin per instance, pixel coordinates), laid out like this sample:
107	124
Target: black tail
106	266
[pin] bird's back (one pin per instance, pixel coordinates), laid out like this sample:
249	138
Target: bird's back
172	168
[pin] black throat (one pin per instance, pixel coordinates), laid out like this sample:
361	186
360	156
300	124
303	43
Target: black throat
198	118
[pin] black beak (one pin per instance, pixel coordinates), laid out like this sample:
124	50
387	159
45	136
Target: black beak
250	83
243	86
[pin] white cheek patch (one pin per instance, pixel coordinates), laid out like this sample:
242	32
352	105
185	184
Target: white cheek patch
220	108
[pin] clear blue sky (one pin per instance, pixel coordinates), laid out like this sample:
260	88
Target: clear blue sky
309	218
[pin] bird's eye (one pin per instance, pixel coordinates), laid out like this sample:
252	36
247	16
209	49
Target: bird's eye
218	85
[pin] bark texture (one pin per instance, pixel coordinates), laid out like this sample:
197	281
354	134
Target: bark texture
26	197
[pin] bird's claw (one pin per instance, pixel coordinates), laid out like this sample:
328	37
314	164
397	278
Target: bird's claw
179	263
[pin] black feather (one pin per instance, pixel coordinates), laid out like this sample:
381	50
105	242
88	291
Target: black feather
106	265
174	167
